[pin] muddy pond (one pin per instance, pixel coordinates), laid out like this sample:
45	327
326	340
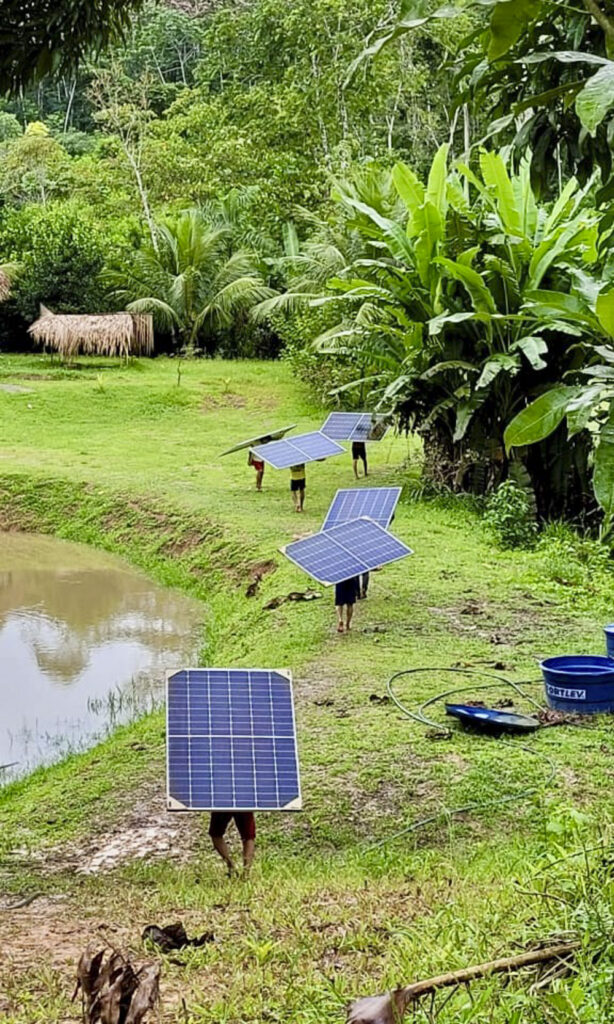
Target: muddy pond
85	644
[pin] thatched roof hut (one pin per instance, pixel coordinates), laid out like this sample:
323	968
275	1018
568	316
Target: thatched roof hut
5	286
111	334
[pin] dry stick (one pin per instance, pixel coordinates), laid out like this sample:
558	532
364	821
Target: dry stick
390	1008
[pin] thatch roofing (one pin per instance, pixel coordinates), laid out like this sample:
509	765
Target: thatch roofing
109	334
5	286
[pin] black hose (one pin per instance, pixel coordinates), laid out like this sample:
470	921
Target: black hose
420	717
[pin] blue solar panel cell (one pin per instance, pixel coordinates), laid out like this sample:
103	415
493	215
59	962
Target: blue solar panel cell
355	426
297	450
344	551
231	741
377	503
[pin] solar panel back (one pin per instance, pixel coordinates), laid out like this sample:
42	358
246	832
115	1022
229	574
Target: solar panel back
344	551
297	450
231	741
272	435
377	503
355	426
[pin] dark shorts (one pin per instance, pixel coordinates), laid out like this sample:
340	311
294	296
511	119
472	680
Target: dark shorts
297	485
258	466
347	591
244	820
359	450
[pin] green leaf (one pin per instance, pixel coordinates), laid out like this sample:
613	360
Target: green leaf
496	177
533	348
409	187
493	367
596	98
540	418
465	411
604	308
507	23
472	281
436	185
429	222
449	364
603	472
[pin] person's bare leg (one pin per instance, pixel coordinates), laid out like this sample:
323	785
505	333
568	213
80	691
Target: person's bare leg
356	468
340	626
221	846
364	462
259	476
249	847
301	499
349	611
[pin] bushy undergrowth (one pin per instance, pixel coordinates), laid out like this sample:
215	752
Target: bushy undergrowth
510	515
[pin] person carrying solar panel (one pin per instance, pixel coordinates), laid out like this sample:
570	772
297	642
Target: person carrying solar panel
258	465
359	451
246	827
297	485
346	594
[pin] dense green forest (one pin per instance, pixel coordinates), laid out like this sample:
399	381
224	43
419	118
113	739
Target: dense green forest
413	206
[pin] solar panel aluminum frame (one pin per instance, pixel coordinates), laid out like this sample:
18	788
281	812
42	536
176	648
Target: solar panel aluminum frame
359	515
175	805
359	569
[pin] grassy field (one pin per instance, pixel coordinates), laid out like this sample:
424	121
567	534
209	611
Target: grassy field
126	458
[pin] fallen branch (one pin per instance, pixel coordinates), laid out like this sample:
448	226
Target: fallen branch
390	1008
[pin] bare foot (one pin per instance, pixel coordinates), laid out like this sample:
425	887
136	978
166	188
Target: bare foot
340	627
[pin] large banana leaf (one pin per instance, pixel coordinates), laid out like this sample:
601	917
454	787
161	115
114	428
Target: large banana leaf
540	418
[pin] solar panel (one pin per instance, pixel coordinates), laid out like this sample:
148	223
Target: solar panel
377	503
345	551
296	450
231	741
356	426
273	435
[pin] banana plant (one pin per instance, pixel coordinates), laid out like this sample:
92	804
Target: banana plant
585	401
461	299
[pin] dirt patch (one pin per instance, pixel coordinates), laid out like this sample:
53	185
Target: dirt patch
14	389
225	401
146	832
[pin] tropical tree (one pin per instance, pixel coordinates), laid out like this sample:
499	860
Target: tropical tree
441	309
39	37
192	280
538	72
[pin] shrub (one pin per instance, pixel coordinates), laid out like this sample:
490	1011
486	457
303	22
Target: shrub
510	516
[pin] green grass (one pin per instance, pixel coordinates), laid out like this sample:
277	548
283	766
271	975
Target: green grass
121	457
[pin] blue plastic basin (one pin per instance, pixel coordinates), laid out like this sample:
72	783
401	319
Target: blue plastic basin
609	640
579	683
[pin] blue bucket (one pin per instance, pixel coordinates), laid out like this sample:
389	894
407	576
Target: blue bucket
609	640
579	683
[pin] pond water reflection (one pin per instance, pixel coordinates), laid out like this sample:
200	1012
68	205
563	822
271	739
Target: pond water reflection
85	643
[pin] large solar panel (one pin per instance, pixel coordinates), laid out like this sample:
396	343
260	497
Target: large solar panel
272	435
356	426
345	551
377	503
296	450
231	741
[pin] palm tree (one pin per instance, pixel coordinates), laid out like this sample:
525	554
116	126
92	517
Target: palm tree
193	283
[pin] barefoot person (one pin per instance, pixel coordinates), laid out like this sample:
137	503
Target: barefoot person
297	486
359	451
258	465
246	826
346	594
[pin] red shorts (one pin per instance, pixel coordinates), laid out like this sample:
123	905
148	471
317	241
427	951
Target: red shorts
244	820
258	465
